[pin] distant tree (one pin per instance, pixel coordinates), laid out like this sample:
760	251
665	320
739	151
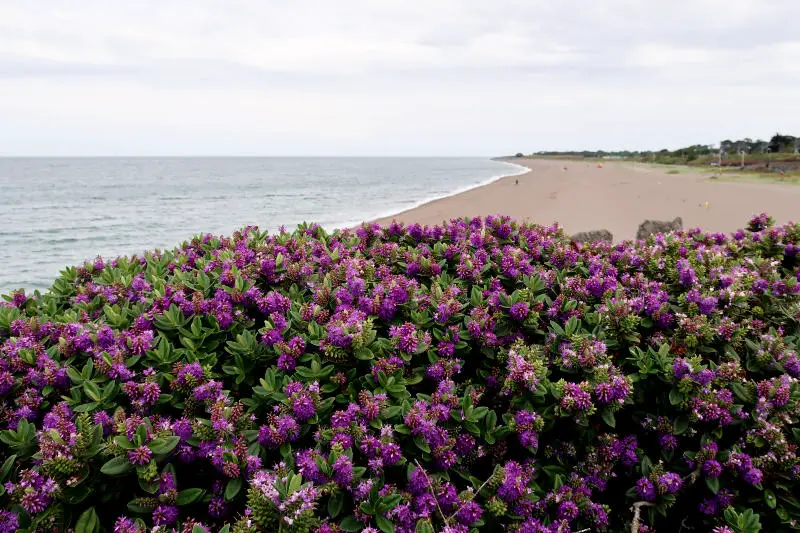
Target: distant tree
697	152
742	147
519	154
781	143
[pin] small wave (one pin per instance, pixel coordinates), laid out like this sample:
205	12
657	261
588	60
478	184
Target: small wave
64	240
219	197
173	198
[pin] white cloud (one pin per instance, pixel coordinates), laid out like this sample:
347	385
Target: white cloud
660	56
388	77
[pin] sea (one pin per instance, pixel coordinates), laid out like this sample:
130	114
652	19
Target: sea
57	212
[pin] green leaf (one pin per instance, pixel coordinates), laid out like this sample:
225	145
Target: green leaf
731	516
7	466
769	499
351	524
424	526
140	436
364	354
92	391
479	413
681	425
675	397
116	466
335	504
608	418
232	488
712	484
88	522
390	502
189	496
294	484
476	296
149	486
490	421
87	407
647	464
384	524
557	328
199	529
76	495
163	445
123	442
741	392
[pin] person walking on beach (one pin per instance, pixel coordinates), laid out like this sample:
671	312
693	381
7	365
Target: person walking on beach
516	182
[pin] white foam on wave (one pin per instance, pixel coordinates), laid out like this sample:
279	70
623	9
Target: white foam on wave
519	170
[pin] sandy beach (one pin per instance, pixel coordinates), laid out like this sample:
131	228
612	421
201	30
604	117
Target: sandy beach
616	197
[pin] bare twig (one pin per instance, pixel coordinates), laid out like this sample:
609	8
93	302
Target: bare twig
693	474
474	495
637	509
433	493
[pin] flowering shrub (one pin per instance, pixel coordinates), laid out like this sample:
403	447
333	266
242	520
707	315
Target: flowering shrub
484	375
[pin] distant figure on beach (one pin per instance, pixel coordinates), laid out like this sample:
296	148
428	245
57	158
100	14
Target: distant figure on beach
565	169
516	182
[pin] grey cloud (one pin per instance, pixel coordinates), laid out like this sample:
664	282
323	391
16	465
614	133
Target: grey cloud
207	31
405	67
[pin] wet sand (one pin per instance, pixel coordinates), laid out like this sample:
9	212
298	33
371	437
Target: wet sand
616	197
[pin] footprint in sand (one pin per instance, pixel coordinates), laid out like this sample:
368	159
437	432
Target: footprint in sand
553	195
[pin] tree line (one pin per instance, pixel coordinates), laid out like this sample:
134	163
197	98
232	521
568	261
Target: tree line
777	144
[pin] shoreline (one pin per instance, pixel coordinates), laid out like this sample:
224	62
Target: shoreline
612	195
388	214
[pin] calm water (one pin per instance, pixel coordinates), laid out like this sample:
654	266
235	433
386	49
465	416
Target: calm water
56	212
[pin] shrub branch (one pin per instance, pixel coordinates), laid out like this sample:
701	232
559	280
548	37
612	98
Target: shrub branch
691	477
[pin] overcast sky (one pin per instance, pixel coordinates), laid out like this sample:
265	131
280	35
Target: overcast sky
393	77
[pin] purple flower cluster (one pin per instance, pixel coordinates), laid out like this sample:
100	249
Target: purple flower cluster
34	492
479	375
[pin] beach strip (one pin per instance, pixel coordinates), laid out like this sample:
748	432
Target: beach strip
612	195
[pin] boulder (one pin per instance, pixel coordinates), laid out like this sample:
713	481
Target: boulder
648	227
593	236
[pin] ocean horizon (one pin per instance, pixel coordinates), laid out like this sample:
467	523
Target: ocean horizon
61	211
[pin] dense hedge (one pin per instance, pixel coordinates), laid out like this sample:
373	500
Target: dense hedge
479	376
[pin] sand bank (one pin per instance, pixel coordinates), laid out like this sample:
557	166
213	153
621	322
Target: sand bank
616	197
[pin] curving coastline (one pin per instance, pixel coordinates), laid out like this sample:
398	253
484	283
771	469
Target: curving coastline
616	196
393	213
